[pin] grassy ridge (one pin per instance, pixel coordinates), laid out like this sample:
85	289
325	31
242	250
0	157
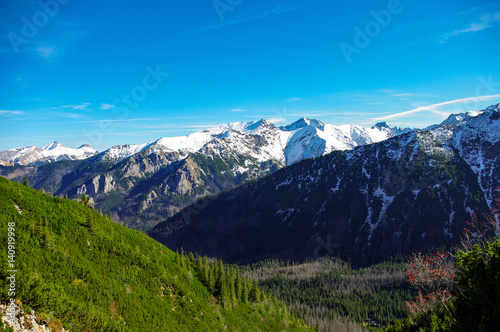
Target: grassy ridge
83	270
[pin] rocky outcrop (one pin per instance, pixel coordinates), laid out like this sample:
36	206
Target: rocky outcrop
21	321
100	184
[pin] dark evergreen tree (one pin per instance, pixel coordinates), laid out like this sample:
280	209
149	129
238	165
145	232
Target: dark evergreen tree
254	294
85	200
245	290
238	285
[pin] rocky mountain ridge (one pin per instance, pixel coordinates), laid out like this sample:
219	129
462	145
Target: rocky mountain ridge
395	196
34	156
277	141
141	184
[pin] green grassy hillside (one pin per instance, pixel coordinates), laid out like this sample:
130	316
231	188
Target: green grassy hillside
79	268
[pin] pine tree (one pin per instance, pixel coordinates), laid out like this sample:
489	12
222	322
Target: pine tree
206	275
231	280
199	264
25	182
238	285
177	258
91	223
191	257
254	295
211	280
245	290
85	200
220	283
182	257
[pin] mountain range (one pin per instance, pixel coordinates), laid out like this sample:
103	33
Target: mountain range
49	153
410	191
145	184
141	184
301	139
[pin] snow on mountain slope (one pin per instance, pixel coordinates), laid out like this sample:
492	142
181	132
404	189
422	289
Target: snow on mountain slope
312	138
301	123
120	152
52	152
458	118
477	138
391	197
262	140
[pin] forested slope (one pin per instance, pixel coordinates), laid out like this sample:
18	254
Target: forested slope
80	270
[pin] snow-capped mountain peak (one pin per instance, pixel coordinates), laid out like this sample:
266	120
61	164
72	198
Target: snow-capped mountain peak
262	140
303	122
492	107
52	146
257	127
55	151
454	119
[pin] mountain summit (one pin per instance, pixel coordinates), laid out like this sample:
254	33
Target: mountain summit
142	183
304	138
303	122
396	196
55	151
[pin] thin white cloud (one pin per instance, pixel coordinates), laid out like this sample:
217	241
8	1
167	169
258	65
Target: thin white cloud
291	100
435	107
276	120
275	11
66	115
105	106
237	110
11	112
61	107
485	22
123	120
406	96
81	106
398	94
46	51
297	114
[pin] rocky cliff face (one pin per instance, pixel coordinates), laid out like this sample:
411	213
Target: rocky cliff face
21	321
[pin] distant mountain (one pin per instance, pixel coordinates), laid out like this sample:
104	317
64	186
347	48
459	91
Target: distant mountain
33	156
304	138
461	117
407	192
392	131
141	184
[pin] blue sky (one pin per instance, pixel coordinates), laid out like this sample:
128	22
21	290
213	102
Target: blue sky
117	72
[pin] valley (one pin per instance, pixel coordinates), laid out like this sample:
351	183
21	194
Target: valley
318	243
241	166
